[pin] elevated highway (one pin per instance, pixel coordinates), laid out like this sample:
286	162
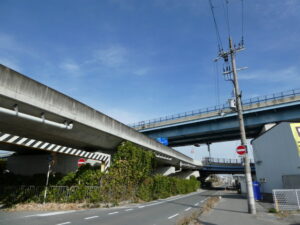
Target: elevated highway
224	166
31	112
220	123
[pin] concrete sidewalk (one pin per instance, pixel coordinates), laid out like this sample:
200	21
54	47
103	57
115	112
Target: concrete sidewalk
232	210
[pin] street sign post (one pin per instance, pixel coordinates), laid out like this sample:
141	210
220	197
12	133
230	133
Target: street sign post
81	161
241	150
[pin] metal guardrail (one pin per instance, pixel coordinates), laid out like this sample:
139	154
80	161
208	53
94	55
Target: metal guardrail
219	108
286	199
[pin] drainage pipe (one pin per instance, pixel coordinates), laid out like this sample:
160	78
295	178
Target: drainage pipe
42	119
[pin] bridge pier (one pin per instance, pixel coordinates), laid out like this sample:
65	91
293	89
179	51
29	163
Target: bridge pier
186	174
165	170
267	127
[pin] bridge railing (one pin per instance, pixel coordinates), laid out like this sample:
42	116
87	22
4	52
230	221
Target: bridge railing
209	161
218	108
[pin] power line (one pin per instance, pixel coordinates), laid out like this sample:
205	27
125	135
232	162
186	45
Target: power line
243	8
220	46
227	16
217	83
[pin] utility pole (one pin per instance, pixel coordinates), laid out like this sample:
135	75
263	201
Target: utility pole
47	181
228	71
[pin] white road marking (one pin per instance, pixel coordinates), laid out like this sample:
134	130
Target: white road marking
112	213
187	209
91	217
63	223
169	200
170	217
196	204
128	210
204	200
51	214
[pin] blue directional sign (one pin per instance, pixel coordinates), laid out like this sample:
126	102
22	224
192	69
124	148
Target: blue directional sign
163	141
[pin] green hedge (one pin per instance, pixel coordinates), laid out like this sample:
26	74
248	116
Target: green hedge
160	186
129	178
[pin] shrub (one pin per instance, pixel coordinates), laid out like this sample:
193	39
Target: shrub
129	178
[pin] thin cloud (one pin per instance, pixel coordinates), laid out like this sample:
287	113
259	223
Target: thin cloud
283	75
70	66
193	6
280	9
124	5
141	71
113	56
8	42
118	59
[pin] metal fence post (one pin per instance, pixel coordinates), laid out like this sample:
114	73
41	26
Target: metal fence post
297	198
275	201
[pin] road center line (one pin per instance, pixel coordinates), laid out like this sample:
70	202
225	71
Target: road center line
170	217
187	209
91	217
63	223
112	213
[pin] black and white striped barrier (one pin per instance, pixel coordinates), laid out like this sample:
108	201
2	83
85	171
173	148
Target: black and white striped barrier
46	146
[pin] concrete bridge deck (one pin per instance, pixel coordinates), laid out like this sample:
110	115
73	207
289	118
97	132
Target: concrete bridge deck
30	109
220	123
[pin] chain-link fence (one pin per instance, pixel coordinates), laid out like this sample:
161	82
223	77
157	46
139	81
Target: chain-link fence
286	199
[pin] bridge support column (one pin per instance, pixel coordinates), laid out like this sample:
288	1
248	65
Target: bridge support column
267	127
166	170
186	174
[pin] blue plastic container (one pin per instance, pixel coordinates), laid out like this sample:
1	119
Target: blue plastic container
256	190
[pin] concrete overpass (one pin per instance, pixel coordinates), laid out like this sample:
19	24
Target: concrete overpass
223	166
220	123
35	117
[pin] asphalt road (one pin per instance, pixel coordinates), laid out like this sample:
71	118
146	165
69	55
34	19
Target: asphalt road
160	212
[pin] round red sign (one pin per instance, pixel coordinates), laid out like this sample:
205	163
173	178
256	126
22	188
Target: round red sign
81	161
241	150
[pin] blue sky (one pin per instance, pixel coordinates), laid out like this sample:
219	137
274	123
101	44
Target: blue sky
136	60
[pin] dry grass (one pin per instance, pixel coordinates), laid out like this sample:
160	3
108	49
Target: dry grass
61	206
192	218
284	214
45	207
55	206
